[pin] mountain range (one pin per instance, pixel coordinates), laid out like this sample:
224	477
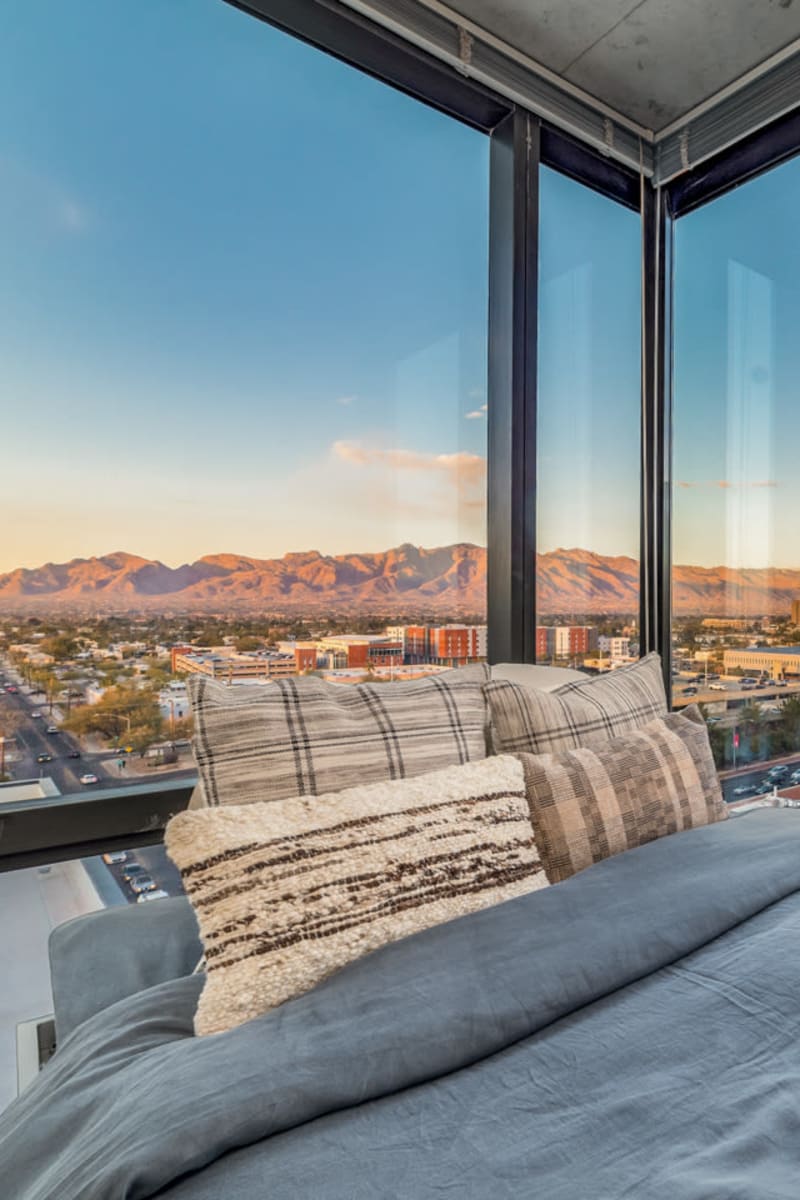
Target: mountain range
445	580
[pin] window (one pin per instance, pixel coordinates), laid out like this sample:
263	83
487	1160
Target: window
243	339
42	898
736	549
589	414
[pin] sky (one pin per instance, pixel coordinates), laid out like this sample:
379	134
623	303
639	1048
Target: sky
737	377
243	308
243	293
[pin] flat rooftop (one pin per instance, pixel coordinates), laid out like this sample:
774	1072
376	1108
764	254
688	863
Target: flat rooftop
16	790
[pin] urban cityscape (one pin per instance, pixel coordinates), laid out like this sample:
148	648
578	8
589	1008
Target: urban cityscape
99	698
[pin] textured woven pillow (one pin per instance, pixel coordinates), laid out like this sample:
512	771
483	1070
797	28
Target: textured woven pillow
304	737
578	714
287	892
587	804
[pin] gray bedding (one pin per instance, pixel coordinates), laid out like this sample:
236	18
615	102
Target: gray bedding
634	1032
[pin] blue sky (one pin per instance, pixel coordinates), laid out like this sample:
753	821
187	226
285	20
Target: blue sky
243	295
737	373
589	370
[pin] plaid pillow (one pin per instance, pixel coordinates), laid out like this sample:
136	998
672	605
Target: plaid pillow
305	737
588	804
577	714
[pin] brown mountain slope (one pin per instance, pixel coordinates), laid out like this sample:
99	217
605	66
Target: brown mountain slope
405	579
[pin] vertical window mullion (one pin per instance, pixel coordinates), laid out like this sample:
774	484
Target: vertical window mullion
513	320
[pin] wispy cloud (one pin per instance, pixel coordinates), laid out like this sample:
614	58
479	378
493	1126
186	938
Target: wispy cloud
477	413
725	484
346	401
463	471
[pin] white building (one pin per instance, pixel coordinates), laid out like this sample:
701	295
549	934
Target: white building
173	701
616	647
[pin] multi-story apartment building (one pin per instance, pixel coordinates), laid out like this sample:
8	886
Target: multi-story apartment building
545	642
574	639
796	612
456	644
413	639
450	645
564	641
616	647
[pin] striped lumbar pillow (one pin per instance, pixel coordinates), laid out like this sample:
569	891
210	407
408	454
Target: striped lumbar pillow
304	737
587	804
578	714
378	863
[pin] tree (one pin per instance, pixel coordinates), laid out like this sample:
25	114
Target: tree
752	720
245	644
789	725
60	647
123	712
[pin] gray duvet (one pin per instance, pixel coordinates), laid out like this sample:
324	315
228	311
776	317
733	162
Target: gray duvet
632	1033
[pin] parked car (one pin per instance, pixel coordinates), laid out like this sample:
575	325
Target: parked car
765	788
44	758
36	715
716	687
745	789
794	777
132	869
12	690
777	772
115	856
156	894
52	729
142	883
690	691
89	778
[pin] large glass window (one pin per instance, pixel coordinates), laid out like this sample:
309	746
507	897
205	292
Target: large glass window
589	418
736	551
243	305
41	899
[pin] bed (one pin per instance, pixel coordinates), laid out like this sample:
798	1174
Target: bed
632	1032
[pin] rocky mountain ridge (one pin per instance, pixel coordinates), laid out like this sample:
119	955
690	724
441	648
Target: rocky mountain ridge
406	579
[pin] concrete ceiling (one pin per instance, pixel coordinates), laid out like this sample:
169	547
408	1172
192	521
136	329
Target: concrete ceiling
651	60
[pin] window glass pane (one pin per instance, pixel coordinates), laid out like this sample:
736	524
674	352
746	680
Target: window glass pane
736	546
589	413
42	898
243	306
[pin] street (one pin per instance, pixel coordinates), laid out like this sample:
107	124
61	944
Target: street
32	740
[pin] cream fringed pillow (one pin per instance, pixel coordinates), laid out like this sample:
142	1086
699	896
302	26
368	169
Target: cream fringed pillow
379	862
592	802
